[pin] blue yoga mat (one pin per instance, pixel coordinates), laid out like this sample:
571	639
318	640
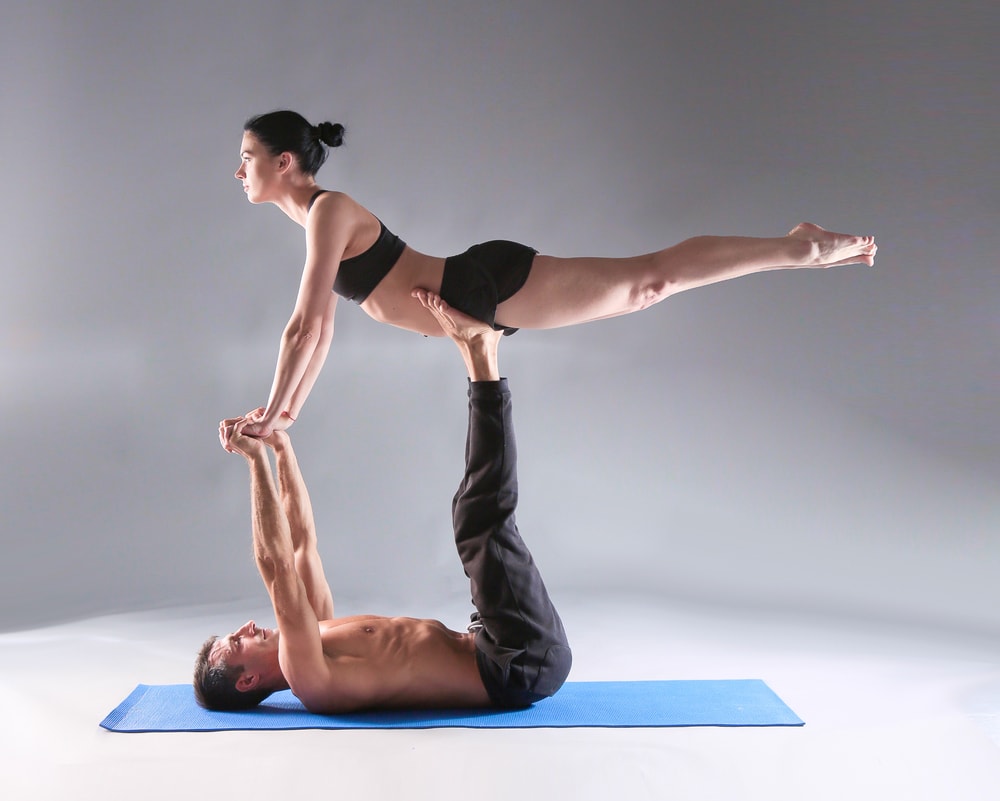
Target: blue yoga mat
613	704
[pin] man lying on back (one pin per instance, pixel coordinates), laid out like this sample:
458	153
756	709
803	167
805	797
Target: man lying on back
514	653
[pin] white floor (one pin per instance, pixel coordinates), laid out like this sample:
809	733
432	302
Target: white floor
890	714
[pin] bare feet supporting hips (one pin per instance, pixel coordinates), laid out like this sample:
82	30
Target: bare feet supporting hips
477	341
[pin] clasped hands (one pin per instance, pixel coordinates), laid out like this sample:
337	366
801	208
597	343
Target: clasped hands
240	434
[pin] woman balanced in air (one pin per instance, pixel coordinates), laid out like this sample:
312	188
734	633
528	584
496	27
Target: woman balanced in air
351	254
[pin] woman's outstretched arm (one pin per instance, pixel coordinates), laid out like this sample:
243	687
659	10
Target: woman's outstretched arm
301	358
316	362
307	337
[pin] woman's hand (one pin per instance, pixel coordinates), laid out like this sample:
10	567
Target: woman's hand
259	426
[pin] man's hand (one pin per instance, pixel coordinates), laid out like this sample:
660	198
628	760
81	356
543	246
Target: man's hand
277	439
234	440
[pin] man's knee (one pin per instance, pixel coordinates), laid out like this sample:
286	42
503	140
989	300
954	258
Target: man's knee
554	669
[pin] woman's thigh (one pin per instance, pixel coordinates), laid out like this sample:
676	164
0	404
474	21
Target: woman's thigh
566	291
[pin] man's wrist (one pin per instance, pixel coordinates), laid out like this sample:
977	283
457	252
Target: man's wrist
256	453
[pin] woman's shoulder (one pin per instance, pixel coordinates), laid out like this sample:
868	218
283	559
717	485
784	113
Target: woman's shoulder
331	198
336	206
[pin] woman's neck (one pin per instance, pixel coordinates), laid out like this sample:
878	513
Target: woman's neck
295	202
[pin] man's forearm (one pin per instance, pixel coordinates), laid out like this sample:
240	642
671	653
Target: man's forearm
299	514
271	533
294	495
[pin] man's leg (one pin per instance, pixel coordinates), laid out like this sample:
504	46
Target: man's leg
522	649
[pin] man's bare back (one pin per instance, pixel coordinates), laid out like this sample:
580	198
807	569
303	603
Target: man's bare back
396	662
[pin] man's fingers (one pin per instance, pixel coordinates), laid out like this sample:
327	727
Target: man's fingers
229	429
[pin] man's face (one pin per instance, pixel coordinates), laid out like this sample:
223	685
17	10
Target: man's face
254	648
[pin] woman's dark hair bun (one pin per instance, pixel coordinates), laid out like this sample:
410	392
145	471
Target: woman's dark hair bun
330	133
288	131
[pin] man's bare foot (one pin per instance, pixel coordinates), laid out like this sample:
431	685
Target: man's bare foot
477	342
832	249
456	324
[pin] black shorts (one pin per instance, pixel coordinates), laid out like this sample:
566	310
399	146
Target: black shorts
483	277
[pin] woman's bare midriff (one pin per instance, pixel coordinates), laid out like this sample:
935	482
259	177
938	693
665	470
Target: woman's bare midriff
392	301
400	662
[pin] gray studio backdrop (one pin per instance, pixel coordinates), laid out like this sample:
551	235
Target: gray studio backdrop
822	441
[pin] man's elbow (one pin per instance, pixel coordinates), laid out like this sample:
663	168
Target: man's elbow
272	566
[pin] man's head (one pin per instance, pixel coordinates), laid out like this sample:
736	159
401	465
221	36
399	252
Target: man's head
237	671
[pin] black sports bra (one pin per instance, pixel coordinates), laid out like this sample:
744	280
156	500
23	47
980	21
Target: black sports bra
359	275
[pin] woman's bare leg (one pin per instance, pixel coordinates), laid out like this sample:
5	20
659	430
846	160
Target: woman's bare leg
565	291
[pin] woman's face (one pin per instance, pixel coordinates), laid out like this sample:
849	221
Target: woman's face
258	171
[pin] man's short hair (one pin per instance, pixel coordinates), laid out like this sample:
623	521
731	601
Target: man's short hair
215	685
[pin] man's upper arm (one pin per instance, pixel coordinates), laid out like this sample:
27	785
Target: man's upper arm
300	649
309	567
